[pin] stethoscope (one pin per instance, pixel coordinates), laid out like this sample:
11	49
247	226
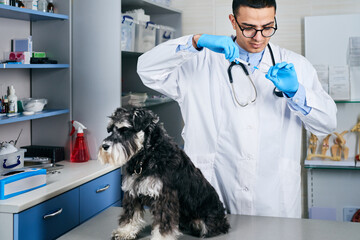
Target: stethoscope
275	91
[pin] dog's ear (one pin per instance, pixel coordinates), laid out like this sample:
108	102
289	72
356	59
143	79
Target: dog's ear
142	118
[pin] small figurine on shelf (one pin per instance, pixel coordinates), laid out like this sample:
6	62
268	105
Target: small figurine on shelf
325	145
356	128
339	147
313	143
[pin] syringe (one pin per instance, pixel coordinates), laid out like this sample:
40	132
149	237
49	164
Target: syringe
251	65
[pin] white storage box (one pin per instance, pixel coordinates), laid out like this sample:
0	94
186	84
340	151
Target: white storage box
164	2
15	182
12	160
127	34
145	36
138	15
164	33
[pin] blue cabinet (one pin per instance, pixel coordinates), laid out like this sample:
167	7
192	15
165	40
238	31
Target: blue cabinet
99	194
60	214
50	219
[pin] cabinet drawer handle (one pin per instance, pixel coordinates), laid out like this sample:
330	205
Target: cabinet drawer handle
103	189
53	214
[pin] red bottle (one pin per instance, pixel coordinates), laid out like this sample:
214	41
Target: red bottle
80	152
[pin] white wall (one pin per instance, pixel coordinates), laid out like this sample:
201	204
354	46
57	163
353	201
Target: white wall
211	17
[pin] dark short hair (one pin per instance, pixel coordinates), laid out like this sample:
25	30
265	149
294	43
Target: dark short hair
253	4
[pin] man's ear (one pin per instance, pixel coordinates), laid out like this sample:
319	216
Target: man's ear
232	20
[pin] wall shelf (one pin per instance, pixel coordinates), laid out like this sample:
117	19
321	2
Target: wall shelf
11	12
17	66
42	114
331	167
347	101
151	102
149	6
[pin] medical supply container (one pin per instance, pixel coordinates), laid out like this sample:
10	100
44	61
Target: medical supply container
164	2
13	105
145	36
138	15
164	33
127	33
12	160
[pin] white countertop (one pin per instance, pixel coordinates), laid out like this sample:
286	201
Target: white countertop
71	176
242	227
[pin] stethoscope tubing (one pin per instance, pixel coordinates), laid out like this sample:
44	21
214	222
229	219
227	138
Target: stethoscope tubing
276	92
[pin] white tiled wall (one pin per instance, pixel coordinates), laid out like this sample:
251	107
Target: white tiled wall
211	16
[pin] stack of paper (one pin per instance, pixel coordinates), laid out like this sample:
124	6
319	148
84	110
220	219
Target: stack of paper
354	51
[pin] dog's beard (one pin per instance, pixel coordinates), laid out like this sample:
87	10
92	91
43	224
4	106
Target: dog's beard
118	154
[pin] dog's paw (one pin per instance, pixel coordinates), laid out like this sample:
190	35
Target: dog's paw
122	234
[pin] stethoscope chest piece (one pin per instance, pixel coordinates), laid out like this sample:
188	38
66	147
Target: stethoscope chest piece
278	93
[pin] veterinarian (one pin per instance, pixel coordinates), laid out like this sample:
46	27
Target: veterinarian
245	136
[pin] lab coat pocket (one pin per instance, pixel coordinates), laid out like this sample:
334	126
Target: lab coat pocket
205	162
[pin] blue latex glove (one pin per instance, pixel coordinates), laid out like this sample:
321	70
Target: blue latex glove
220	44
284	77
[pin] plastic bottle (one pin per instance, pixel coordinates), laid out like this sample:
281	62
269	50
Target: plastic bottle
6	105
2	109
50	7
13	108
80	152
34	5
42	5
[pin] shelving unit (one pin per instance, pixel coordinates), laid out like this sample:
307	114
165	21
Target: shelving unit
348	101
328	191
11	12
330	188
50	33
105	71
9	66
168	110
42	114
149	6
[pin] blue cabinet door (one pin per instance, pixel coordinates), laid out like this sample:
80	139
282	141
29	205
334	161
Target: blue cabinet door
99	194
49	219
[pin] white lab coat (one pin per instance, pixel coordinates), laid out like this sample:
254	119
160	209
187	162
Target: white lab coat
251	155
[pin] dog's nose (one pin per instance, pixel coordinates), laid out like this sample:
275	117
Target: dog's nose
105	146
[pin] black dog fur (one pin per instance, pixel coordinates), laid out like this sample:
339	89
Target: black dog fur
160	175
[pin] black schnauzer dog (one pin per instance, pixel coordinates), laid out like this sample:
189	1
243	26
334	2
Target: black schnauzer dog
158	174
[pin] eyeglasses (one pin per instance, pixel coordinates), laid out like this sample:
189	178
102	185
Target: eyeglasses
250	32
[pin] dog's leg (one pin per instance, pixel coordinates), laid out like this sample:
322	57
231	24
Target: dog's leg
213	225
165	210
131	221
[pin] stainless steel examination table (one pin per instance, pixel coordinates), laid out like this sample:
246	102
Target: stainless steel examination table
242	228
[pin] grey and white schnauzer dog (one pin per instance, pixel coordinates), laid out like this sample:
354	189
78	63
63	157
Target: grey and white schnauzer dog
158	174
